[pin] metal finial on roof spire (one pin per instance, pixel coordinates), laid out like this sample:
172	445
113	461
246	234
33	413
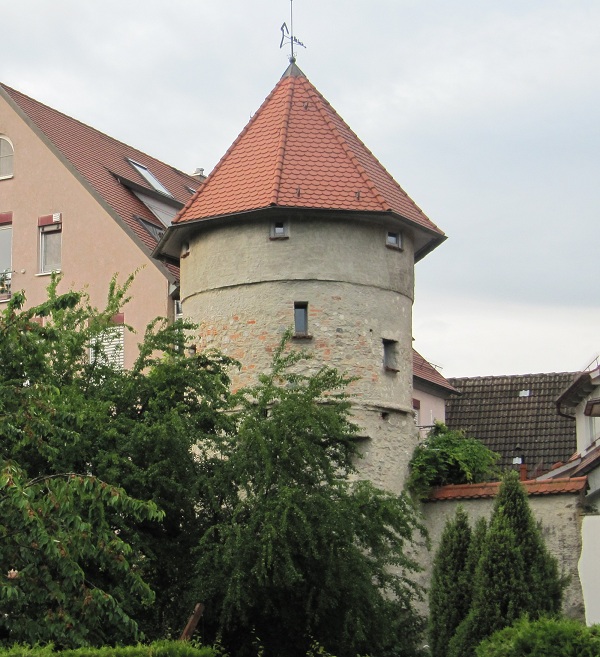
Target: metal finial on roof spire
288	35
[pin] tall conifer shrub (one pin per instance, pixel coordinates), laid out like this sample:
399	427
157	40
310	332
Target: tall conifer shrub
515	574
451	583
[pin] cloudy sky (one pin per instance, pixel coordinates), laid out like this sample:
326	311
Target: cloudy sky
486	112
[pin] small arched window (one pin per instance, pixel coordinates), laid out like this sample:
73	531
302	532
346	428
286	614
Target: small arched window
6	158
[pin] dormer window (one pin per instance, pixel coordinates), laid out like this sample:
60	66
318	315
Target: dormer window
6	158
156	231
150	178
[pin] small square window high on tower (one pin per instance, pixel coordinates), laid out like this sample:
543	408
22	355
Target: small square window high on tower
393	240
279	230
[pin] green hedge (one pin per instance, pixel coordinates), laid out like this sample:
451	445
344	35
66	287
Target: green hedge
543	638
157	649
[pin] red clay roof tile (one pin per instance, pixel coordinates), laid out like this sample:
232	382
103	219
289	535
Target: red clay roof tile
297	152
96	157
423	369
504	412
490	489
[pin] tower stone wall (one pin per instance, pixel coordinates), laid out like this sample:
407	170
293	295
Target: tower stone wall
240	285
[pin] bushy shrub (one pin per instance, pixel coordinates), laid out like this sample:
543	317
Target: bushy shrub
449	457
156	649
515	574
545	637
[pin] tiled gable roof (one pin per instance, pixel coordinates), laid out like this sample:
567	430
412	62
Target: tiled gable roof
296	152
97	158
572	485
506	412
424	370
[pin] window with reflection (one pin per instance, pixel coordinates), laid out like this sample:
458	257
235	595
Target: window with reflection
6	158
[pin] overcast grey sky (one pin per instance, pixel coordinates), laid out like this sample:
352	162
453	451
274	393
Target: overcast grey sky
485	111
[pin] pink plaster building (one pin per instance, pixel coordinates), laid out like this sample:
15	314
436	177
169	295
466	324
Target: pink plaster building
75	200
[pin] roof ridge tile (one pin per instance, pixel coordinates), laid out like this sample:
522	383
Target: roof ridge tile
283	133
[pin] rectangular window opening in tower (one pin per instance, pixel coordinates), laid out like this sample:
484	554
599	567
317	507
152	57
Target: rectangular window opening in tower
390	356
301	319
394	240
279	230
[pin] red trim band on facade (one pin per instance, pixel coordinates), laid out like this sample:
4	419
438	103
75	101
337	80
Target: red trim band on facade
119	318
49	219
5	218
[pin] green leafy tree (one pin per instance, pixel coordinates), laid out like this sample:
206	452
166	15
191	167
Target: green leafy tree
64	571
449	457
299	550
546	637
79	557
515	574
451	583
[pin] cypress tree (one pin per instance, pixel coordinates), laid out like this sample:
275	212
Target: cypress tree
542	579
498	596
515	574
450	592
478	536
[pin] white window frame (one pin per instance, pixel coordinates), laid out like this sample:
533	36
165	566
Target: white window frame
49	229
10	157
6	274
109	347
390	355
177	309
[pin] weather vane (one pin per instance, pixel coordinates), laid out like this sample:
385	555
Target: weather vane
287	36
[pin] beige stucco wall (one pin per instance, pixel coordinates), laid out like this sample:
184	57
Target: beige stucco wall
240	287
432	410
560	520
589	568
94	246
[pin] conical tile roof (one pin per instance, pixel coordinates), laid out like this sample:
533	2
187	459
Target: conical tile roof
297	152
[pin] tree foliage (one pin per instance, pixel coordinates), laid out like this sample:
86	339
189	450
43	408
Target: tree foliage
545	637
298	547
515	574
451	583
120	487
449	457
88	555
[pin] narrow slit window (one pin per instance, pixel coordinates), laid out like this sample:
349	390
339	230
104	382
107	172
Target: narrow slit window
390	356
301	318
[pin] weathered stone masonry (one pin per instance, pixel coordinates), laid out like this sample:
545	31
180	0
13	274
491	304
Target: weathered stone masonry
240	286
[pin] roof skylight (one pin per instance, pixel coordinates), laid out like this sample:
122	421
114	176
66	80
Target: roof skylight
150	178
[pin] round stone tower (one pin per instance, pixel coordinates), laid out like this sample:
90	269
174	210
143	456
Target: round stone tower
300	227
